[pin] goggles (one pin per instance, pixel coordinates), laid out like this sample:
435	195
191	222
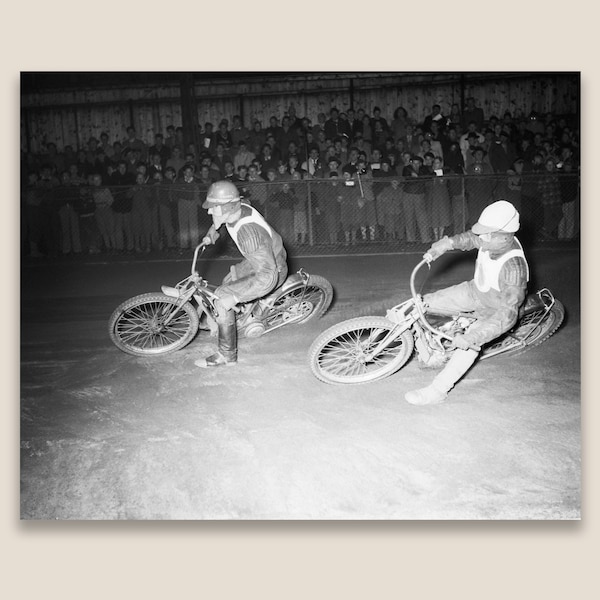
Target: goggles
220	210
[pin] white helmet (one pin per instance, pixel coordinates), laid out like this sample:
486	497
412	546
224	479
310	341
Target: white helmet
498	216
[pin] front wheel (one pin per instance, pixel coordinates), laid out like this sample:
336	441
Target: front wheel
341	354
531	330
139	327
300	304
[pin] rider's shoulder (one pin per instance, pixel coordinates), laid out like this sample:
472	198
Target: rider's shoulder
246	210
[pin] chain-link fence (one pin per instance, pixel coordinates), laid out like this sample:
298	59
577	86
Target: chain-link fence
313	216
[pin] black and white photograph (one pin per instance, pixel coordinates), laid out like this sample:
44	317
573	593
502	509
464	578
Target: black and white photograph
300	295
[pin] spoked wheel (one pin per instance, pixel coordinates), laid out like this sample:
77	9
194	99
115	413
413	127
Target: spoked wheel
138	326
341	354
300	304
529	331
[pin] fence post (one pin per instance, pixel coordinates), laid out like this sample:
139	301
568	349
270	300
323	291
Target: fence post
464	203
309	216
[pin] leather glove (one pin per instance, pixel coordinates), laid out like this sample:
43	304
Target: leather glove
226	302
438	248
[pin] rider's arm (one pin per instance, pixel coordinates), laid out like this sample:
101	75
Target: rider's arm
513	289
465	241
462	241
212	235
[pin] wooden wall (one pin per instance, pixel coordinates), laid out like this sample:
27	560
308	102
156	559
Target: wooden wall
72	116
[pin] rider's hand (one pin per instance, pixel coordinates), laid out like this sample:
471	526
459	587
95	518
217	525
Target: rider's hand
206	241
459	341
438	248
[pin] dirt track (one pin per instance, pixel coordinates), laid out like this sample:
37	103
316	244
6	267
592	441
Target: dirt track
110	436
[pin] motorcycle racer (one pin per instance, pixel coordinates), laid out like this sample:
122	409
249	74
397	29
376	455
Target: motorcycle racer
494	295
262	270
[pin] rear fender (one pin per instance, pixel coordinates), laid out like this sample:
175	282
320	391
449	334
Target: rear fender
542	299
293	282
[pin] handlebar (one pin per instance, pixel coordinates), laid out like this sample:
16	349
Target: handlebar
199	247
419	304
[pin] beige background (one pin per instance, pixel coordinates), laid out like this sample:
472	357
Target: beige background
296	559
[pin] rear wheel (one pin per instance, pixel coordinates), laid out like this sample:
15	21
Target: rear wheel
340	355
138	325
529	330
301	304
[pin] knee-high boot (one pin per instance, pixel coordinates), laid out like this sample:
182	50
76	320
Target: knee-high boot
226	353
437	391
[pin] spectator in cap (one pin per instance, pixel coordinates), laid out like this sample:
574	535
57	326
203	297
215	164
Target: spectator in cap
470	139
333	164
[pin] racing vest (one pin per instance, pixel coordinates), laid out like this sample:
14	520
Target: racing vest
487	269
253	217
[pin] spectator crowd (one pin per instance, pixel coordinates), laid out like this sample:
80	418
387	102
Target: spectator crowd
349	178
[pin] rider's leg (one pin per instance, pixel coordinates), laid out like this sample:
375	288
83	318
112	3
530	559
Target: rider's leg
458	297
226	353
437	391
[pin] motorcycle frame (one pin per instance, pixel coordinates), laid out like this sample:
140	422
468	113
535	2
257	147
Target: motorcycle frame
195	286
411	314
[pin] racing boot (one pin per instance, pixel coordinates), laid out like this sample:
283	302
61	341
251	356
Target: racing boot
226	353
437	391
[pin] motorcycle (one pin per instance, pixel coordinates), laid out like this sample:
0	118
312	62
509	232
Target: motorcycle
160	323
365	349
